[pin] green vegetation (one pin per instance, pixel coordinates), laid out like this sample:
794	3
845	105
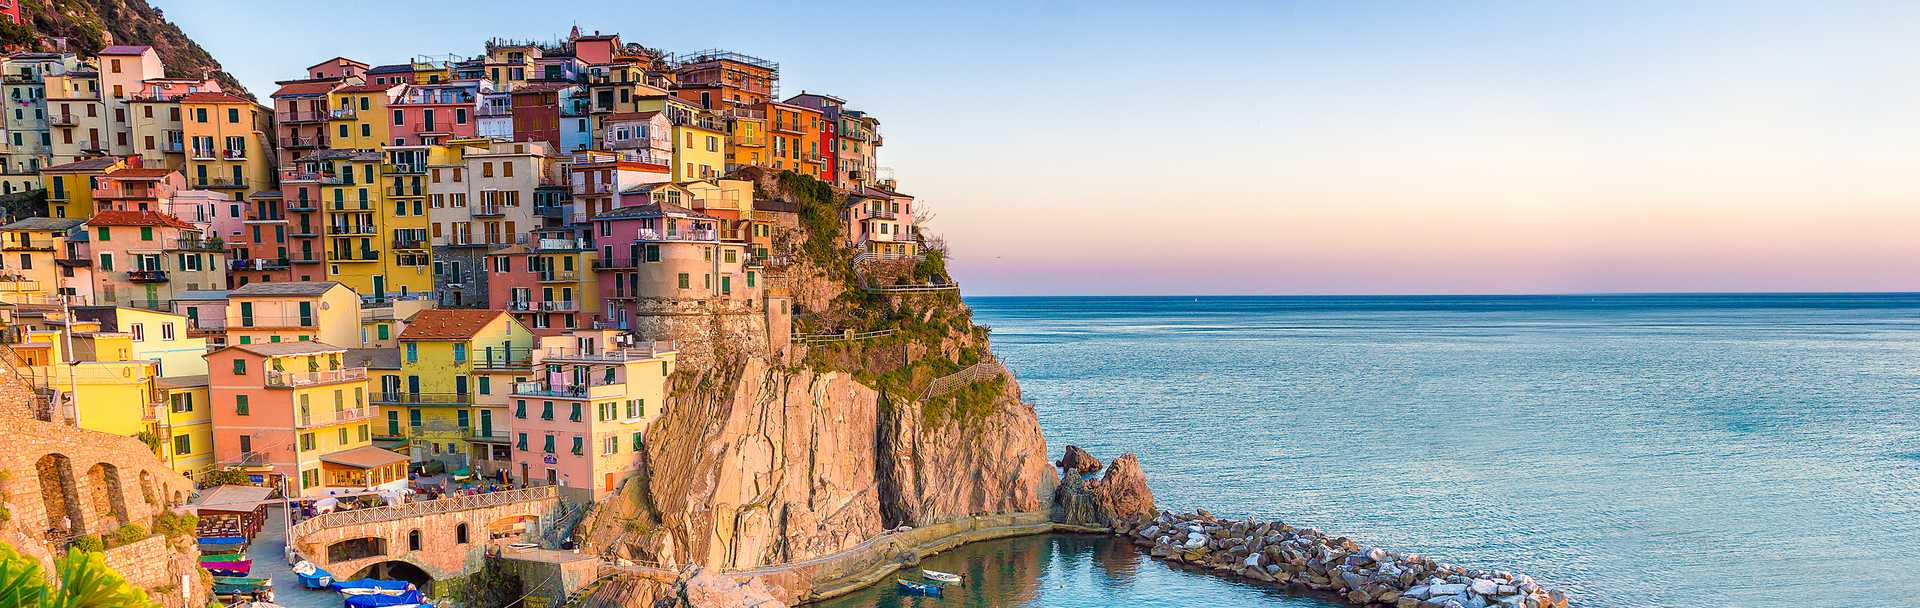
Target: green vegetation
175	525
84	581
129	534
493	585
89	544
31	203
224	477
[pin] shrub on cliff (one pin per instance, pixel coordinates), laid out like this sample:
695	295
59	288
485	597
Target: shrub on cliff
84	581
129	534
175	525
89	544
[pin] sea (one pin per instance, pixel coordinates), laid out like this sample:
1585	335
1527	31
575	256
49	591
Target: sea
1738	450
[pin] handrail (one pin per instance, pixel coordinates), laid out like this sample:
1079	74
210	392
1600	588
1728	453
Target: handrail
990	368
417	509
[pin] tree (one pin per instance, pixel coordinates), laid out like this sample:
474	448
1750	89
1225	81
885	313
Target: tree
85	581
225	477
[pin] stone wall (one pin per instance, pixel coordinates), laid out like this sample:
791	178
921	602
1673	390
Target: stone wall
156	565
441	553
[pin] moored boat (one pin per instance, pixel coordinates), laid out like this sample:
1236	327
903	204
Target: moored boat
944	578
913	588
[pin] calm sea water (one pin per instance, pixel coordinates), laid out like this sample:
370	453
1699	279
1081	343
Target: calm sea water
1662	450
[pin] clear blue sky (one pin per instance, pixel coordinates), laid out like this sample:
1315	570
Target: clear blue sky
1335	147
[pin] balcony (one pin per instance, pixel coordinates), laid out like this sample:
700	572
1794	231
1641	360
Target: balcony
554	306
352	230
303	232
651	235
62	120
303	205
585	188
559	276
750	141
615	264
173	147
200	153
192	244
545	389
640	142
233	154
221	183
493	358
303	142
638	352
495	435
280	379
562	245
258	264
407	243
411	398
403	192
402	168
343	114
147	276
305	259
364	255
489	210
308	421
781	126
298	116
619	324
493	111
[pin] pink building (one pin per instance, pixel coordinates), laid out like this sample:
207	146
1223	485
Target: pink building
428	114
653	255
280	410
580	423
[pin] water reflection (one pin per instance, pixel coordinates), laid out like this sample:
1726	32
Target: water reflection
1068	571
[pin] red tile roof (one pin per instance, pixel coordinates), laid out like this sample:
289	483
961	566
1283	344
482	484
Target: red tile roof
136	218
448	324
311	87
213	97
140	173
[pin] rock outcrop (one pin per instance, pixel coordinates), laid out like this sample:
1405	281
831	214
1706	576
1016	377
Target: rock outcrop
1305	558
1115	499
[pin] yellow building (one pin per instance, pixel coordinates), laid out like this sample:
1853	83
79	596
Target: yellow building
699	150
70	185
297	311
186	424
405	219
447	398
359	117
291	409
227	140
159	136
382	322
29	273
160	337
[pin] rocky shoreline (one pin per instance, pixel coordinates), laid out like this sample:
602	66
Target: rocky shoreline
1277	553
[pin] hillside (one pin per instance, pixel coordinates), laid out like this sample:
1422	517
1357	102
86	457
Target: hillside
90	25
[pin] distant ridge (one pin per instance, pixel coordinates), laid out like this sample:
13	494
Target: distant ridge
90	25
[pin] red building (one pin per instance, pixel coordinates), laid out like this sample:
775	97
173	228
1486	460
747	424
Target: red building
262	254
10	11
536	112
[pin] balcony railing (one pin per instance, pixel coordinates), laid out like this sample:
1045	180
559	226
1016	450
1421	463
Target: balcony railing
300	205
411	398
62	120
545	389
303	142
404	168
364	255
562	245
649	234
549	306
503	358
147	276
200	153
343	114
191	244
615	324
614	264
637	352
221	182
280	379
299	116
490	111
307	421
489	210
273	321
231	154
409	243
352	229
173	147
559	276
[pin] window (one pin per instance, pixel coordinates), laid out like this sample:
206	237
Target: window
574	415
413	540
460	534
610	445
240	369
683	280
548	445
246	444
546	410
306	441
636	408
579	445
140	332
233	115
182	445
637	445
521	443
520	409
413	352
460	355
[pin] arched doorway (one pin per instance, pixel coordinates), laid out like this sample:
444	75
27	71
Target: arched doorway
60	495
103	487
146	489
396	570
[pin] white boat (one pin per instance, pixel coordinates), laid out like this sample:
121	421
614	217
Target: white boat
941	577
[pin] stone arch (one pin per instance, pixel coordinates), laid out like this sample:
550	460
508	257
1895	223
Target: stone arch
60	494
103	488
146	489
356	548
398	570
178	499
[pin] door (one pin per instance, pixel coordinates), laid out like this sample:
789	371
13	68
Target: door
390	387
486	423
393	423
379	287
413	386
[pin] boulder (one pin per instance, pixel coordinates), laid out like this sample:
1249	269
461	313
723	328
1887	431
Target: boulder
1077	460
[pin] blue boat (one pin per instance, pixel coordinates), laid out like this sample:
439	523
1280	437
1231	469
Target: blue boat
912	588
411	597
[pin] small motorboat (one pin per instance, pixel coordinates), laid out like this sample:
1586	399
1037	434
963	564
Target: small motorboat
944	578
913	588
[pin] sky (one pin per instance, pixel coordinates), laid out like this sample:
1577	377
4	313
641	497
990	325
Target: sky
1339	147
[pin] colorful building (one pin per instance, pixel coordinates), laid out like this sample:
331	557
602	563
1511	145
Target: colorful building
70	185
280	410
142	258
444	400
229	143
581	422
300	311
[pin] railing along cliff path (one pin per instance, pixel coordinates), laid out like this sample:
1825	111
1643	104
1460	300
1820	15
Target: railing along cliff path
416	509
986	369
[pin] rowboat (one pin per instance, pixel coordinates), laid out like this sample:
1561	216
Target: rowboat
913	588
236	568
944	578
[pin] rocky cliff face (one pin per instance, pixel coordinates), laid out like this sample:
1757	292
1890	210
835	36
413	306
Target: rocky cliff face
796	451
90	25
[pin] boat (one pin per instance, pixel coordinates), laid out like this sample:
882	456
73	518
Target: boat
224	557
944	578
410	598
241	588
913	588
230	568
372	586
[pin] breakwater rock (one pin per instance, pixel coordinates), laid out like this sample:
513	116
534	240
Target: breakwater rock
1111	500
1282	554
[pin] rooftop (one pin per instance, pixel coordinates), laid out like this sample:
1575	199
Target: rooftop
278	349
136	218
448	324
92	164
213	97
45	223
125	49
290	288
373	358
363	457
201	295
180	381
140	173
231	498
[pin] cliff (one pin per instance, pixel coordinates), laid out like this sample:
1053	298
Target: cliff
795	451
91	25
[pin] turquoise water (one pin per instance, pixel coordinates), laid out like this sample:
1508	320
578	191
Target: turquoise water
1670	450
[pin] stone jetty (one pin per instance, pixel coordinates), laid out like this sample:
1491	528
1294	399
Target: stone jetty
1275	552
